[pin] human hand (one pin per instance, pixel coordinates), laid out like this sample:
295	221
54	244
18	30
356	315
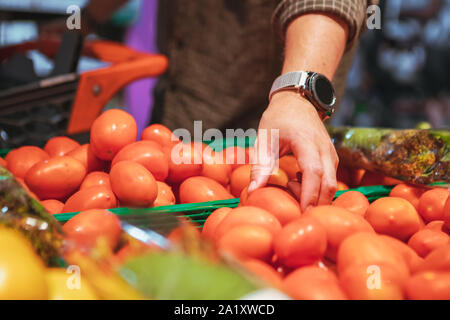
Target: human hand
302	132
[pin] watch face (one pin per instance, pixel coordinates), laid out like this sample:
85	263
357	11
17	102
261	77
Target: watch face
323	91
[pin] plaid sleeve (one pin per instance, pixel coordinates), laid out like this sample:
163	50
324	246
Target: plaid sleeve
352	11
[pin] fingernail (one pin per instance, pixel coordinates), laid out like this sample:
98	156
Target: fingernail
252	186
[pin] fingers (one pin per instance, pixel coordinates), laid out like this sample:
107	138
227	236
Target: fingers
328	185
310	164
266	154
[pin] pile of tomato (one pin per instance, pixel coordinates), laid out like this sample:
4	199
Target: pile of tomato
397	247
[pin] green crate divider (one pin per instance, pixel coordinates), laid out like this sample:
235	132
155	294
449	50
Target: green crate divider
199	212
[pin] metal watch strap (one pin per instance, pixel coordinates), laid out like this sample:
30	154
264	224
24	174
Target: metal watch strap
289	81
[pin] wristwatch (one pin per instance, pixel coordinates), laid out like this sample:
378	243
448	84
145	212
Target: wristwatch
313	86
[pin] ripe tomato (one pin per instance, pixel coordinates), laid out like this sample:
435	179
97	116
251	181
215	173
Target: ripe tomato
431	204
372	282
411	257
447	214
185	161
215	168
341	186
278	178
275	200
437	260
90	226
20	160
85	155
437	225
133	184
147	153
313	283
55	178
426	240
236	156
364	249
99	197
112	131
60	146
429	285
247	215
211	223
247	241
289	165
240	179
202	189
393	216
301	242
160	134
339	224
353	201
95	179
407	192
53	206
165	195
264	271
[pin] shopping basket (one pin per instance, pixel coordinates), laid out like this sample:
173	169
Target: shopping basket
68	104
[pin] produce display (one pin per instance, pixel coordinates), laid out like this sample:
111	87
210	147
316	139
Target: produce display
387	246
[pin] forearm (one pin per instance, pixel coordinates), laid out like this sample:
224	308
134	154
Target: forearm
315	42
101	10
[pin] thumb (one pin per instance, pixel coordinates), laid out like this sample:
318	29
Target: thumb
265	156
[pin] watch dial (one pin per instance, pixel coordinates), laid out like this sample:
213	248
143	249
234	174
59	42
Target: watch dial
324	90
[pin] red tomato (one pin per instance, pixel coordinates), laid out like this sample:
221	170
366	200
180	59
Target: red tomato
247	241
275	200
60	146
96	179
411	257
20	160
289	165
437	225
147	153
278	178
247	215
341	186
133	184
85	155
211	223
339	224
99	197
90	226
236	156
160	134
112	131
429	285
437	260
301	242
365	249
53	206
215	168
407	192
185	162
353	201
240	179
313	283
447	214
264	271
431	204
372	282
165	195
393	216
202	189
426	240
55	178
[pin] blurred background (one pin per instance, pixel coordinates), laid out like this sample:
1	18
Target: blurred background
400	76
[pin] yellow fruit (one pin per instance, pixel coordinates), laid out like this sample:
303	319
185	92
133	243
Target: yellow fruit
22	272
64	286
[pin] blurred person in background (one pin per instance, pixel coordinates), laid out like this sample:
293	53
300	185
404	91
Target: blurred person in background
224	57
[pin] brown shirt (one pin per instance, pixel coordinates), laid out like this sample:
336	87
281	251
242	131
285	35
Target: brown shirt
225	54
